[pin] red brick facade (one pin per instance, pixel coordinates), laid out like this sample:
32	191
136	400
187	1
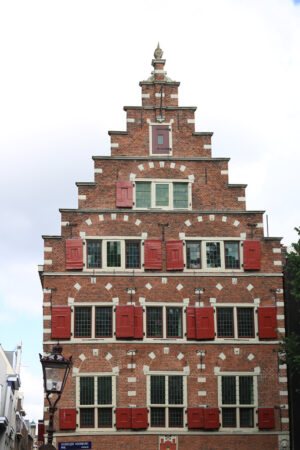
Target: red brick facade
197	335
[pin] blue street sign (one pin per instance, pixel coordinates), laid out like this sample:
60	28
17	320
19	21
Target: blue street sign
74	445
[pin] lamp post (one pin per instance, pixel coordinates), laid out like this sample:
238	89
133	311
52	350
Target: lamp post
55	373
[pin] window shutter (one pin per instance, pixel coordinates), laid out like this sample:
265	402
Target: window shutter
139	418
138	322
41	431
211	418
174	255
195	417
267	322
67	418
152	254
190	322
205	327
160	148
125	321
123	418
74	254
251	255
124	194
266	418
61	322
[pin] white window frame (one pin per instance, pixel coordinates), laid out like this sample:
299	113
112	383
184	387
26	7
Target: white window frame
154	182
96	406
122	240
164	307
235	306
166	124
166	405
93	307
203	240
237	406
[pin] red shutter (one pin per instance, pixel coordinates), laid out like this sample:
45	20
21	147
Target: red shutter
174	255
152	254
190	322
267	322
124	194
139	418
125	321
163	131
74	254
266	418
251	255
205	327
67	419
123	418
41	431
61	322
195	417
138	322
211	418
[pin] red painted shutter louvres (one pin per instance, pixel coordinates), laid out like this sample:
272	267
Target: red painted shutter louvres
174	255
152	254
139	418
251	255
211	418
74	254
67	418
124	194
125	321
190	322
195	417
123	418
267	322
205	327
61	322
266	418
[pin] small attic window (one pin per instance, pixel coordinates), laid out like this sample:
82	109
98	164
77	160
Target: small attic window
160	139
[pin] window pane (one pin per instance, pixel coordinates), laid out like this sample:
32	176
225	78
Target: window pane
174	322
246	417
132	254
104	417
193	255
114	254
213	255
246	390
180	195
154	322
104	390
175	417
87	417
143	195
245	322
83	322
225	322
232	255
228	391
175	390
162	194
87	391
157	417
94	254
228	417
103	321
160	139
158	390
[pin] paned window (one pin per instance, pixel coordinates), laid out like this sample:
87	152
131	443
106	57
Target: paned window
103	321
180	195
160	139
132	255
95	401
237	401
143	195
232	260
174	322
243	317
94	254
167	400
213	254
162	194
193	255
82	322
154	322
113	253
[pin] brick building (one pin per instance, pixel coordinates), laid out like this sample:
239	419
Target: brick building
167	294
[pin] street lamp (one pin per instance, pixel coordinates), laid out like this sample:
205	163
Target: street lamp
55	373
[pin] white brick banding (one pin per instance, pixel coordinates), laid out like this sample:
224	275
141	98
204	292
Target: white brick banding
283	393
151	164
145	95
101	218
166	350
161	164
201	366
108	286
131	393
281	330
98	170
285	420
249	287
82	357
77	286
130	120
125	218
211	217
236	223
82	234
132	176
241	199
188	223
202	380
182	168
212	300
224	172
152	355
179	287
64	224
131	379
47	249
108	356
172	165
47	291
48	262
282	379
234	280
131	366
222	356
259	225
190	120
199	218
250	356
280	317
148	286
81	197
180	356
202	393
114	145
174	95
140	167
113	216
138	222
276	250
207	146
219	286
277	263
164	280
224	218
88	221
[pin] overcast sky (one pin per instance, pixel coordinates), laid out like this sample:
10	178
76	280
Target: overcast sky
67	70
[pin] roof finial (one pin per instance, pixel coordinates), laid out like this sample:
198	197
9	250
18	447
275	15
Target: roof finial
158	52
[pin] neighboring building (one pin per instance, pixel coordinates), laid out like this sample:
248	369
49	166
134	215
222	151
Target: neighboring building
167	295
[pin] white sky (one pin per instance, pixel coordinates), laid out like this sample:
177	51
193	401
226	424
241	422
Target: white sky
67	70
